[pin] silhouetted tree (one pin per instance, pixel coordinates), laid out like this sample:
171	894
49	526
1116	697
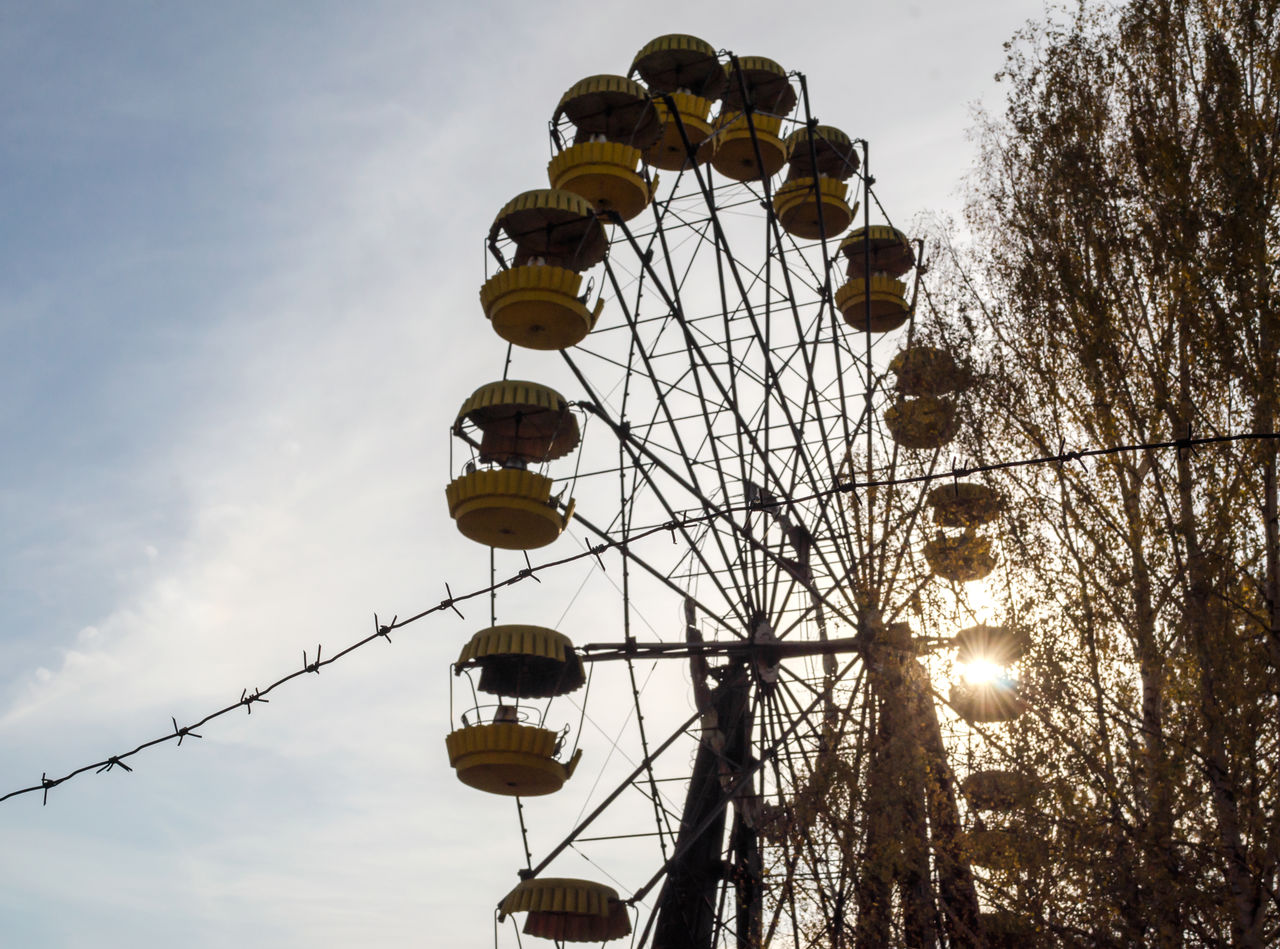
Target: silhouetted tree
1119	284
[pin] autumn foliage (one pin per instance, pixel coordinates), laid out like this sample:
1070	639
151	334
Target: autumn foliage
1118	282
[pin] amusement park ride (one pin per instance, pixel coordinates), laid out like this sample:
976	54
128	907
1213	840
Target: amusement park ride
752	370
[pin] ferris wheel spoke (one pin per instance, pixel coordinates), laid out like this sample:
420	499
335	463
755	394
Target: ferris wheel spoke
708	506
782	590
787	698
892	566
826	302
771	375
728	405
661	576
880	551
809	357
789	785
857	508
772	379
628	782
662	819
818	448
718	465
744	428
692	835
790	858
632	446
694	229
826	894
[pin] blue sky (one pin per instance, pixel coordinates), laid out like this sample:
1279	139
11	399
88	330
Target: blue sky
240	250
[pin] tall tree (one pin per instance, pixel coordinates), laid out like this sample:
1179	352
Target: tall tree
1120	285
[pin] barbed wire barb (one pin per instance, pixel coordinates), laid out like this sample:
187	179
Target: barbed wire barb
247	698
183	732
450	602
314	666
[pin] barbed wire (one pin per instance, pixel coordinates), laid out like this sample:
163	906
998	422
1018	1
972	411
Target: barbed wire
383	630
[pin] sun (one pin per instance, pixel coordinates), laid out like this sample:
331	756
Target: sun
982	672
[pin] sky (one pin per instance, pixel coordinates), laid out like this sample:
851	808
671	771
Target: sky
240	246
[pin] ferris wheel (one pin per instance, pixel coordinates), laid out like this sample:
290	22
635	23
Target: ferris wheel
765	428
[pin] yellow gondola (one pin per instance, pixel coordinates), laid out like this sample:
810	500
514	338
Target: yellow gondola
963	558
509	508
506	755
922	423
996	848
612	109
518	421
538	307
822	151
536	303
885	253
747	147
927	370
888	303
745	142
995	790
889	250
988	702
615	122
758	83
568	910
670	152
687	70
678	62
522	662
558	228
605	174
509	758
812	203
813	208
964	504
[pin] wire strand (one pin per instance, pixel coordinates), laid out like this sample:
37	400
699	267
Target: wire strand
383	631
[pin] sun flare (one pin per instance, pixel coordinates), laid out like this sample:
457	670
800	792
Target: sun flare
981	672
